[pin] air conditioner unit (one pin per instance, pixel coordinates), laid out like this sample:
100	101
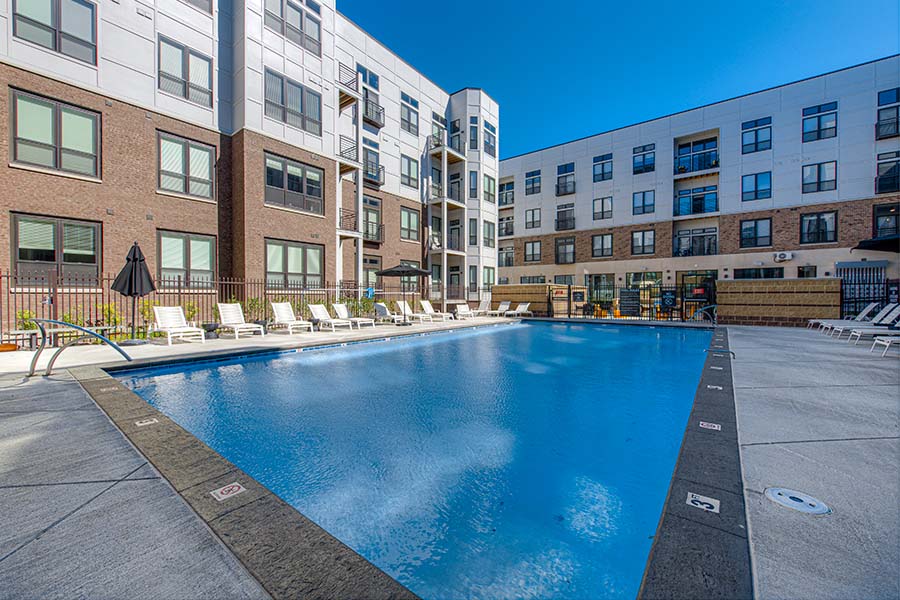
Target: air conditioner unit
783	256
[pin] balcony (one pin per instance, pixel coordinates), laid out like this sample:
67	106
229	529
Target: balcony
437	190
506	229
373	113
886	128
454	242
373	231
565	189
373	174
348	153
565	224
348	77
700	161
698	246
347	220
697	205
885	184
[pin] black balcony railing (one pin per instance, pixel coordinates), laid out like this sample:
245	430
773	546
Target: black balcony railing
348	77
373	231
437	190
886	184
348	149
564	189
373	173
373	113
348	220
436	140
886	128
699	246
695	206
505	229
701	161
565	224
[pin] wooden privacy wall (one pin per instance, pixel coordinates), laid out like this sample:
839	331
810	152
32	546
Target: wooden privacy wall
537	294
780	302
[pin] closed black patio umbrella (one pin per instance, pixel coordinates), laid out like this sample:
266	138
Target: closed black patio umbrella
135	282
403	271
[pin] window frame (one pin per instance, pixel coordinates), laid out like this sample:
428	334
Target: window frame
645	207
186	239
490	189
602	162
55	29
58	265
306	198
407	178
305	93
757	237
643	246
756	127
535	255
755	193
533	182
762	271
893	209
185	81
831	236
563	259
643	159
533	224
186	177
410	233
298	36
285	274
604	213
489	233
604	251
410	121
820	185
817	114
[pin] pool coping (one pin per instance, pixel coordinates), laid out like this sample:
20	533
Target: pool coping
629	322
701	549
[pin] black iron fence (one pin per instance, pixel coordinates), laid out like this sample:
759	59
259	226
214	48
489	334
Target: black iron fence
647	302
856	295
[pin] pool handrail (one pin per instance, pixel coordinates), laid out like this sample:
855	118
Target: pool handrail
88	333
713	315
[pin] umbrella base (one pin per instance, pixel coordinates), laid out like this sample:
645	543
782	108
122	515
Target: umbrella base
133	342
404	324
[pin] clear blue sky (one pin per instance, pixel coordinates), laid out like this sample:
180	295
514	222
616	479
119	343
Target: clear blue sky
565	69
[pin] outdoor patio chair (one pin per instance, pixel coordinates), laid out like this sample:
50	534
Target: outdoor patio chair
501	310
483	307
320	313
876	326
405	309
828	325
382	312
860	317
520	310
231	316
886	341
285	318
464	312
344	314
170	320
429	310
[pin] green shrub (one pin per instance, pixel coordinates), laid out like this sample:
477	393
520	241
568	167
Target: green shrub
22	319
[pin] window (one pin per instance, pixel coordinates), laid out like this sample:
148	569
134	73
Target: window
55	136
185	166
473	184
410	282
564	279
488	234
696	201
65	26
373	230
487	277
818	228
473	133
490	139
473	232
756	233
371	265
820	122
294	185
806	272
532	182
888	116
185	73
565	251
885	219
294	265
186	259
643	242
409	224
601	245
756	136
821	177
887	179
409	171
291	21
473	277
369	78
533	251
507	226
289	102
763	273
603	167
532	279
490	189
409	114
691	157
373	171
503	280
532	218
507	193
565	217
44	245
756	186
505	256
643	203
643	278
565	179
603	208
644	159
700	241
204	5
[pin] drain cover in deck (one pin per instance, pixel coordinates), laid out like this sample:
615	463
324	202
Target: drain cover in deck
798	501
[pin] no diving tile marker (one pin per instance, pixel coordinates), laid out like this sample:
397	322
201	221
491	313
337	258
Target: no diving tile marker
227	491
145	422
703	502
714	387
715	368
713	426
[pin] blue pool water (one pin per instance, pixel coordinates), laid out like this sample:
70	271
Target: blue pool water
517	461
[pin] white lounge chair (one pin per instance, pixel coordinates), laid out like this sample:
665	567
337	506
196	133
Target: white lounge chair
344	314
429	310
170	320
231	316
320	313
382	312
520	310
483	307
886	341
464	312
405	309
860	317
501	310
873	328
285	318
829	325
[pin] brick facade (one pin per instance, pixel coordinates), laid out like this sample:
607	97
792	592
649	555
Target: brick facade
785	303
584	244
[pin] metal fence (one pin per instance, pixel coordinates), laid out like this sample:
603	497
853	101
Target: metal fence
856	295
647	302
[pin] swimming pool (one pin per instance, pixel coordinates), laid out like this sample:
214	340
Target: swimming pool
520	461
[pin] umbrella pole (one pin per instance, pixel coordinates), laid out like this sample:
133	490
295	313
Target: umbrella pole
133	315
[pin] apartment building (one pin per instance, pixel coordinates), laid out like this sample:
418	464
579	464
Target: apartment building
269	139
780	183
